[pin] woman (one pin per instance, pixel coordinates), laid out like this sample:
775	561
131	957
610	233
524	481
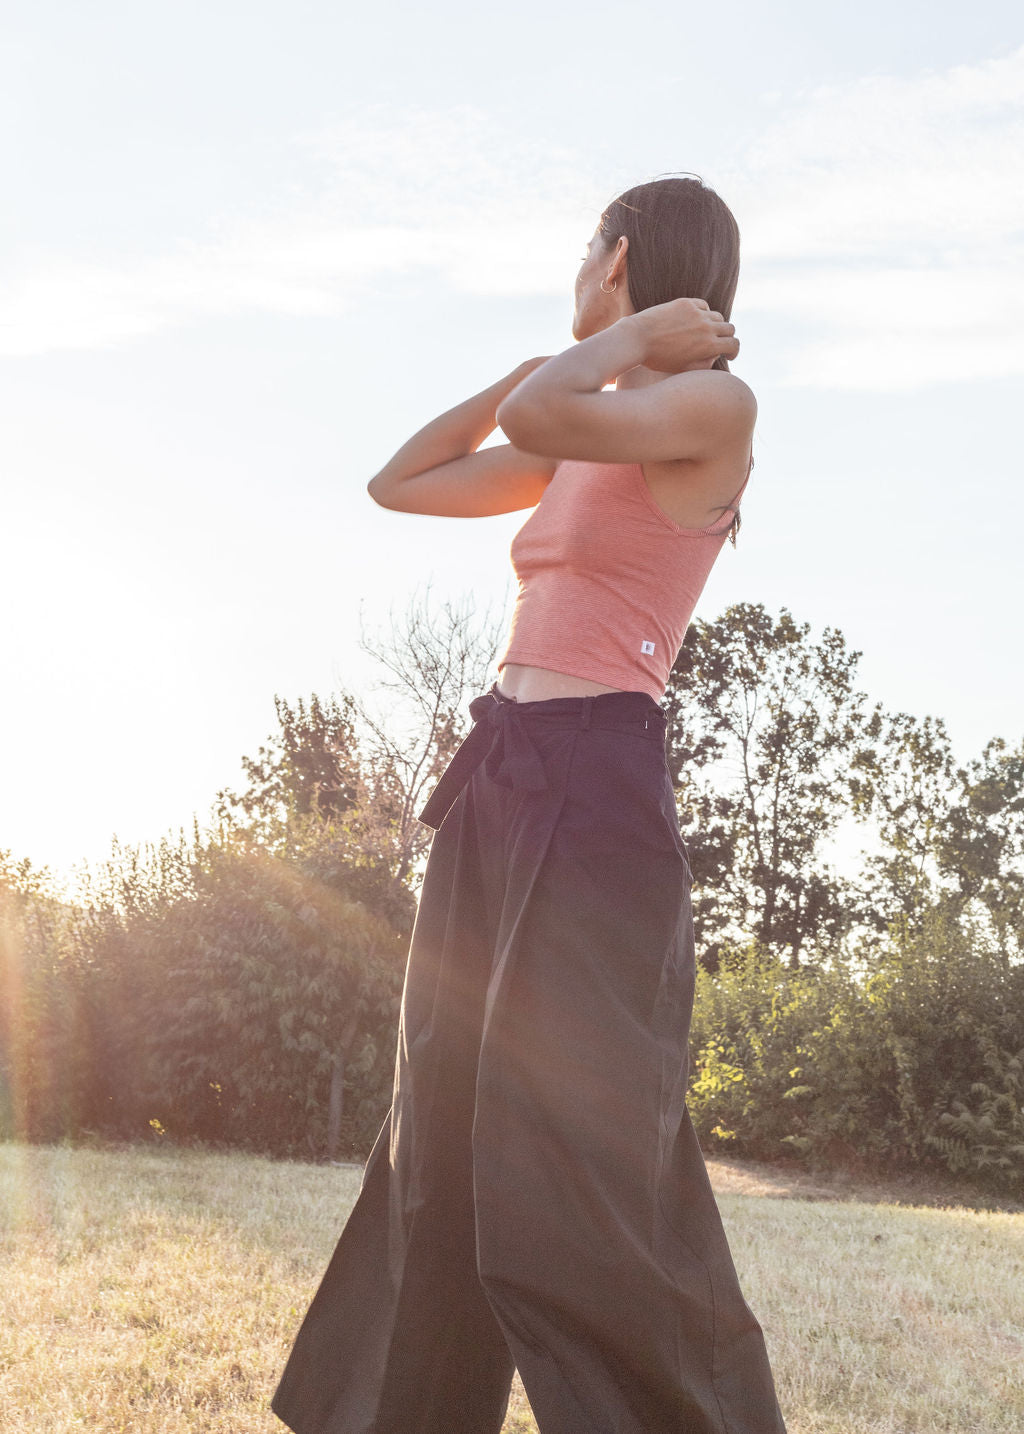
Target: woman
537	1198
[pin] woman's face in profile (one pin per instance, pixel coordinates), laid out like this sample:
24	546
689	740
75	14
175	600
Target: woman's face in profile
587	309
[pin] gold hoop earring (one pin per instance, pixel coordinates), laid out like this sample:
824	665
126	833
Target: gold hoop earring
611	290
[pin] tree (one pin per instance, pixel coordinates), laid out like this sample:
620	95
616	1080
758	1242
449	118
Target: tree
310	764
364	775
981	845
902	779
328	816
763	723
434	658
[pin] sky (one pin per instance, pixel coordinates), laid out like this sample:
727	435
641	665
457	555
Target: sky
247	250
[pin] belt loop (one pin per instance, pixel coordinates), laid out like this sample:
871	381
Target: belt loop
588	707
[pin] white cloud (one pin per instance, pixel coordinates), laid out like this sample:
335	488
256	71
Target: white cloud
892	329
888	216
923	164
425	170
306	265
882	221
374	196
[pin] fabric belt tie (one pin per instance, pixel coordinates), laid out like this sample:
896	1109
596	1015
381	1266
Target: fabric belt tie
499	739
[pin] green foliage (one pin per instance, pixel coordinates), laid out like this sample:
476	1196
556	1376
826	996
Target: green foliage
980	849
47	1074
242	985
311	764
903	779
988	1140
905	1062
268	977
755	1038
210	991
763	725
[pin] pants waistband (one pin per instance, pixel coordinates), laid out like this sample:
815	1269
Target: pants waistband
500	738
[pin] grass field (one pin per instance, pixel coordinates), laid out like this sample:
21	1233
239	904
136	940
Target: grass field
152	1291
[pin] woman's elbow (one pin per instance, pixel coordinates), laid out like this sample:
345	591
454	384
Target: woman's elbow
377	490
521	422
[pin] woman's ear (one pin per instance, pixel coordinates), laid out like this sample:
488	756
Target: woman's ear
618	274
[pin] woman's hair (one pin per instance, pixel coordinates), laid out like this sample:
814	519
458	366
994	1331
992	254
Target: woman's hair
683	244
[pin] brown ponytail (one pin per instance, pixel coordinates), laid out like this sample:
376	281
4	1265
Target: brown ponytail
683	244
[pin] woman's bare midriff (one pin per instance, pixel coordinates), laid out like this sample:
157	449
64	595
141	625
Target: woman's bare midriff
537	684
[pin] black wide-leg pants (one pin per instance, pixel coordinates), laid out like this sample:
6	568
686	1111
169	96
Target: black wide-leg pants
537	1198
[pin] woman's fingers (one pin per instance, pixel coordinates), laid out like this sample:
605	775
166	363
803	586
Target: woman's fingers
726	333
684	331
723	329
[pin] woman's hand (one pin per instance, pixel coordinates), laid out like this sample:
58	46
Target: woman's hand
562	410
684	332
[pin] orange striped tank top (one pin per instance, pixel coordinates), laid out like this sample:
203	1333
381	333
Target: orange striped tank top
607	581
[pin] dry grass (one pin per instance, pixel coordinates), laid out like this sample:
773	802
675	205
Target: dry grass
154	1292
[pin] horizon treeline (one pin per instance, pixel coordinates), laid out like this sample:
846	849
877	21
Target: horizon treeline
239	984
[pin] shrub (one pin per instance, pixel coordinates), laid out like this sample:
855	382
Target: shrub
907	1061
988	1140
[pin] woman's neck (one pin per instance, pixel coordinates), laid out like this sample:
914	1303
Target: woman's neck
641	377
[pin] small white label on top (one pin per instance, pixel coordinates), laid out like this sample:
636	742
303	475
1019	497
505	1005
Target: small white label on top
647	648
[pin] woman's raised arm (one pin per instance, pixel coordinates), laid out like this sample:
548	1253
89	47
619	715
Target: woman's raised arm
439	471
564	409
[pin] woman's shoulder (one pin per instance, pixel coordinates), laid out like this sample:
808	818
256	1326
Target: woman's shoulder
734	383
729	387
724	398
